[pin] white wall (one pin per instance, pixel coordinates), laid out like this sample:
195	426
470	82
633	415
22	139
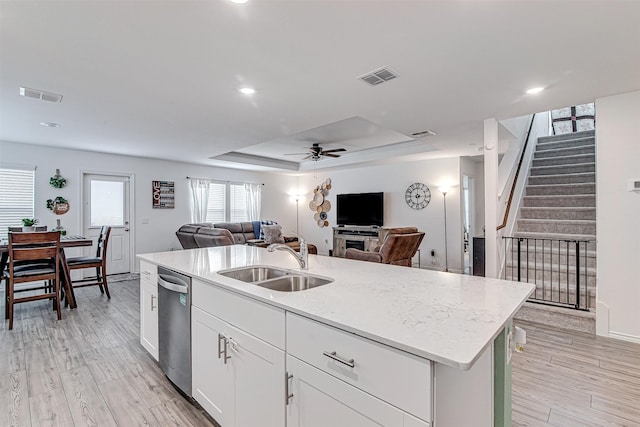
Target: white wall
393	180
159	233
618	210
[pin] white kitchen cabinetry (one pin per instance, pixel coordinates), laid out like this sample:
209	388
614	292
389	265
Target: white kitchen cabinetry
319	400
364	383
238	378
149	308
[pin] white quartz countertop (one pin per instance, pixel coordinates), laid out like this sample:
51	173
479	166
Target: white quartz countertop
445	317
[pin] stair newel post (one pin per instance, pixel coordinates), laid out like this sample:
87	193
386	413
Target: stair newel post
578	274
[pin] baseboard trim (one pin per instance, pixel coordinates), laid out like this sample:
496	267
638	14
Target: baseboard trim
624	337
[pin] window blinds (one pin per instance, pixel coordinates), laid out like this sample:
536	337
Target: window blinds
16	196
227	203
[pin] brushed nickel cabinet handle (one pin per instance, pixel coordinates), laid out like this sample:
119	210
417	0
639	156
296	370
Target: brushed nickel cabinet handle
333	355
224	350
287	395
153	307
220	351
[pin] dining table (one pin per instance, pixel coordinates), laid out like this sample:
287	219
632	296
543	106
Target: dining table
65	242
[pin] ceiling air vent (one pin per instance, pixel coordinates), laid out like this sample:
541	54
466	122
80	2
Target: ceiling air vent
378	76
40	94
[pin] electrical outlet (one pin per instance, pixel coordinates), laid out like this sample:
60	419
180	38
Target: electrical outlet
433	252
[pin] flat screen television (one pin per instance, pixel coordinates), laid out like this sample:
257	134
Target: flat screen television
360	209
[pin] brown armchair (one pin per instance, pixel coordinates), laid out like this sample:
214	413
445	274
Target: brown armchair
398	246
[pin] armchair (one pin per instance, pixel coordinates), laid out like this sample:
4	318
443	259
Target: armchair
398	246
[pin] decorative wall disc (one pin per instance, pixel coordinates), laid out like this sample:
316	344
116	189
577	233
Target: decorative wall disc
319	204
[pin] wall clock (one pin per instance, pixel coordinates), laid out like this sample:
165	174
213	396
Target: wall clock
417	196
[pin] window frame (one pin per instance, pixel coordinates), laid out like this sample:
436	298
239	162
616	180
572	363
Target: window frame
227	202
28	211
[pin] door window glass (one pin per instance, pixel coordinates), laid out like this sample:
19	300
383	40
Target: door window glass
107	203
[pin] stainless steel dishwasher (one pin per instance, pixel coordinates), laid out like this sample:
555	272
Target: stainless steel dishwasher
174	327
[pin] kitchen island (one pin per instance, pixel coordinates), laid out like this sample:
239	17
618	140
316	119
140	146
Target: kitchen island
379	345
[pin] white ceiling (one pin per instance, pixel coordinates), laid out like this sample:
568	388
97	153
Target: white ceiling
160	79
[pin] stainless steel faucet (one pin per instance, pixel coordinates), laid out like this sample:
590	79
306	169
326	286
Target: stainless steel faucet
302	257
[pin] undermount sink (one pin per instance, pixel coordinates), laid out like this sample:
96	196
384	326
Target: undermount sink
276	279
254	274
294	283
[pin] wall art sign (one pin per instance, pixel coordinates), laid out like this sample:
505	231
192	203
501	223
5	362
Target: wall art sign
163	194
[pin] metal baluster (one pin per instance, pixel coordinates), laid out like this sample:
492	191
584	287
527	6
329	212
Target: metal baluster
578	274
566	243
519	263
544	292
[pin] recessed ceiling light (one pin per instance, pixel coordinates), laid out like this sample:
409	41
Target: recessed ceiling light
535	90
50	124
238	1
247	90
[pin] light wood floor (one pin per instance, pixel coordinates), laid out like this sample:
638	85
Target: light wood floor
87	369
90	370
566	378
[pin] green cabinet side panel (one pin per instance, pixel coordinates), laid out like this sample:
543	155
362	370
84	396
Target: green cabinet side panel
502	378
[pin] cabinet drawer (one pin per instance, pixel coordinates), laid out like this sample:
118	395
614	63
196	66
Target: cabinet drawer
149	272
258	319
399	378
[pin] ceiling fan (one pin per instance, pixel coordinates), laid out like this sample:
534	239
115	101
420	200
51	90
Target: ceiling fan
316	152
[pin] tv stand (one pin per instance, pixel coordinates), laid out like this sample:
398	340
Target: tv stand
352	236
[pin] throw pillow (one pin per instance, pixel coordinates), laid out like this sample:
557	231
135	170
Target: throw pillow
272	234
262	223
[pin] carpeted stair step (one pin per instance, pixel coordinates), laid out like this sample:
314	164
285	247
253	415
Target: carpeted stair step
563	169
576	178
552	276
579	213
567	136
565	144
564	160
557	226
560	294
581	200
575	320
566	151
555	236
561	189
566	253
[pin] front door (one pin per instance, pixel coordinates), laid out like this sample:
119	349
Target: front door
106	202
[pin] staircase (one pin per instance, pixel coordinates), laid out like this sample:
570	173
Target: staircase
558	208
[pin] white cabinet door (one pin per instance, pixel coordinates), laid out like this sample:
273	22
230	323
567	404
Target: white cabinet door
246	391
320	400
211	377
149	317
259	381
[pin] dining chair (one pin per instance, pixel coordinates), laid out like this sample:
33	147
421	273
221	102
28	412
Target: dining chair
99	262
33	257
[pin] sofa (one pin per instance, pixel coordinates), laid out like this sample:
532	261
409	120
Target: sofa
204	235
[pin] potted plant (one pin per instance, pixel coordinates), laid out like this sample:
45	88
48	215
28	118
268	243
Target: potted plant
28	223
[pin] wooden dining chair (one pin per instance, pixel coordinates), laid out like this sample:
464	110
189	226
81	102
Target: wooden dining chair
33	257
99	262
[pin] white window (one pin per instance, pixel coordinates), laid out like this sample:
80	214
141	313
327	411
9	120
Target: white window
227	202
16	196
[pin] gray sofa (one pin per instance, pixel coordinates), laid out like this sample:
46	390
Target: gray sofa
205	235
